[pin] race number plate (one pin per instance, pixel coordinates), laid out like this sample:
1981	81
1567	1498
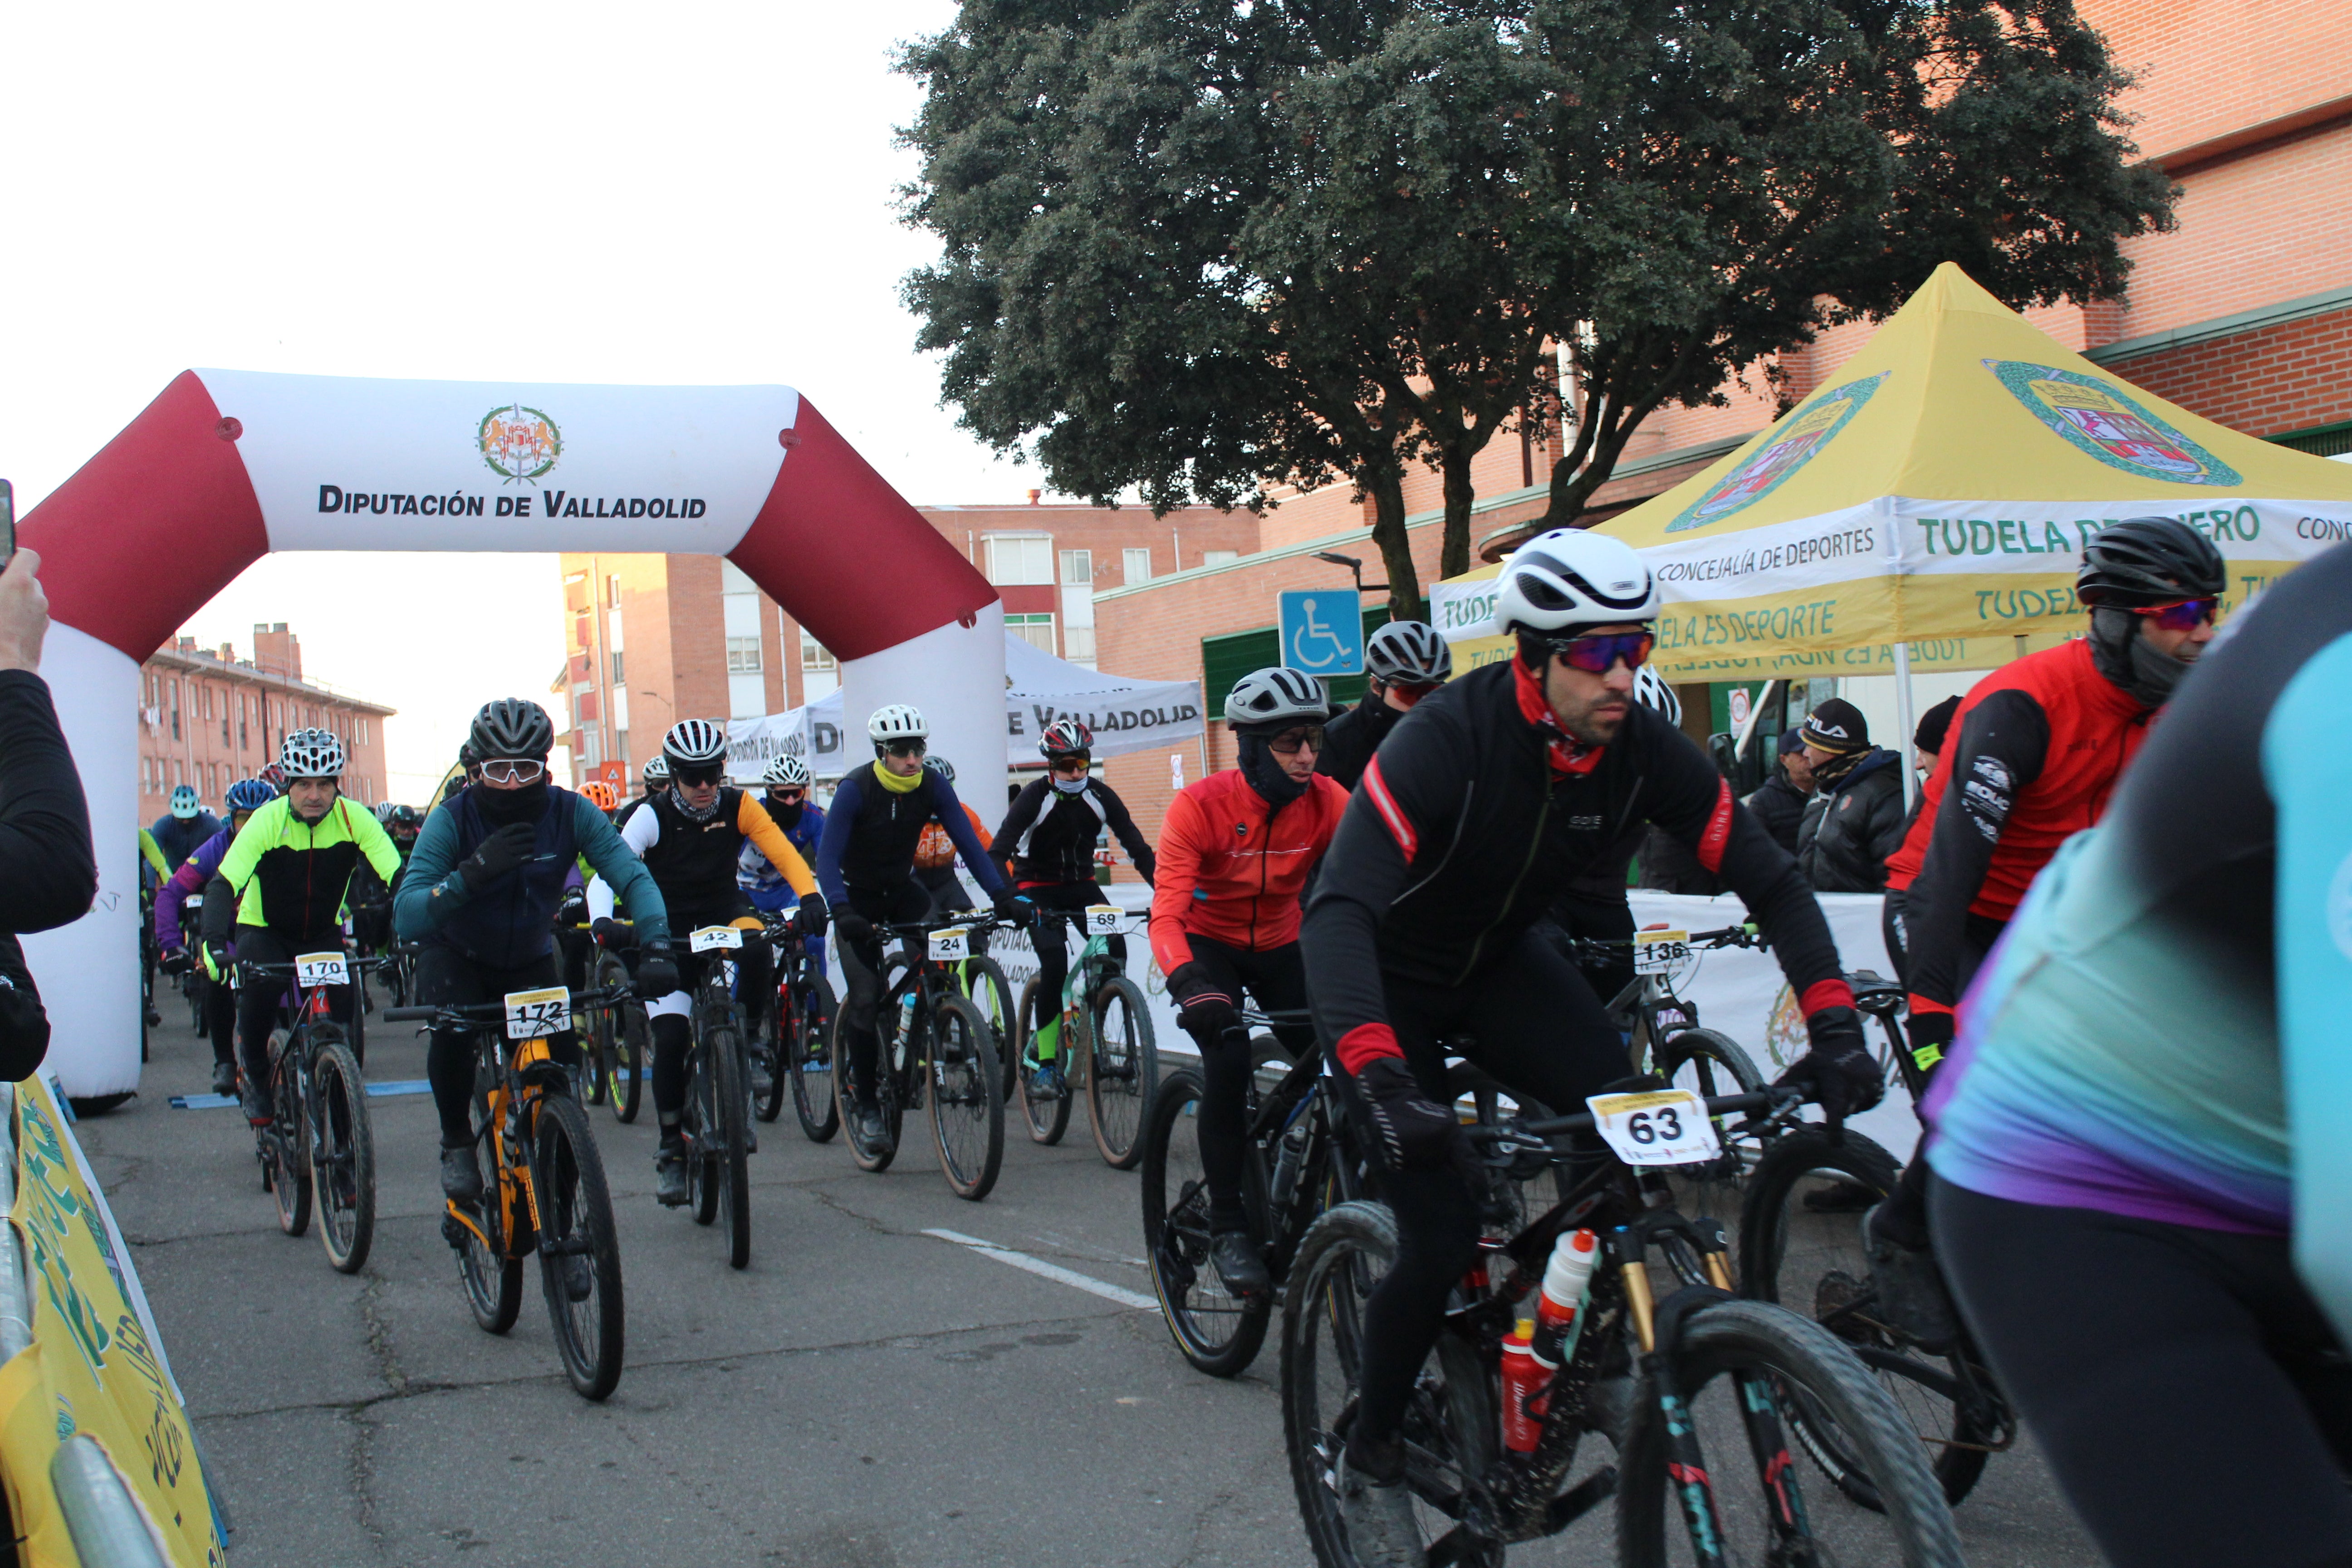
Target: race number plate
193	902
1105	919
321	969
710	938
950	944
535	1015
1655	951
1663	1126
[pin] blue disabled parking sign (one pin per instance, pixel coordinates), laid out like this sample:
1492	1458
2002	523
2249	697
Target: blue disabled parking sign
1323	631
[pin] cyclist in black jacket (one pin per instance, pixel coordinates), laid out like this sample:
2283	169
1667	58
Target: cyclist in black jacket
1406	660
1489	799
1047	840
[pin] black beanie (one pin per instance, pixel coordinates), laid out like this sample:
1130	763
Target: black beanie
1837	726
1935	725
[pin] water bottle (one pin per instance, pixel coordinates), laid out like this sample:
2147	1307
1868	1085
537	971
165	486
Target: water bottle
1560	1309
1523	1381
906	1030
1290	1157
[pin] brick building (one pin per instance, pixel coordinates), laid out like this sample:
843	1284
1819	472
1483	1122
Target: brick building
2243	314
208	717
656	638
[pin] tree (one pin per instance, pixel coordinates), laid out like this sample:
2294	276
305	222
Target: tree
1196	247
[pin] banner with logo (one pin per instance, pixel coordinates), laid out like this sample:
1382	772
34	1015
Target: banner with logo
1941	492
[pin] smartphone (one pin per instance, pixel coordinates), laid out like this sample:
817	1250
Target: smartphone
8	521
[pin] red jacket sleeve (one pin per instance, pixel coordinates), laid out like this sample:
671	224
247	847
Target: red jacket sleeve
1178	874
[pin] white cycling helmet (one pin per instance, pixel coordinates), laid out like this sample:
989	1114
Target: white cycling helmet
184	804
656	772
694	743
1571	578
1408	653
1650	690
897	722
786	772
383	810
1276	696
311	754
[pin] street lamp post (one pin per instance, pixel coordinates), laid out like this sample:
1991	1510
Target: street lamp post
1354	565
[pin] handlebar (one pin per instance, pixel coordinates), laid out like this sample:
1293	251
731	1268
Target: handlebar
1512	1136
461	1014
255	969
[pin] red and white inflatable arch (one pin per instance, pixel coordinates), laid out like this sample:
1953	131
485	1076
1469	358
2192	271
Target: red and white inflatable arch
226	464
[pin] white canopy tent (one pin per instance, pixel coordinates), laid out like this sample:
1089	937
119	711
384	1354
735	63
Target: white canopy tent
1126	716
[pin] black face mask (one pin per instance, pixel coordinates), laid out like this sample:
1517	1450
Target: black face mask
500	807
787	814
2120	653
1264	773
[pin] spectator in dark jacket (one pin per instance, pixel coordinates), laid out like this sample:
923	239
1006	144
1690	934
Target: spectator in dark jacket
48	873
1857	816
1928	742
1779	802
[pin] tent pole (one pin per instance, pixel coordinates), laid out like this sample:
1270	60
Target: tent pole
1904	722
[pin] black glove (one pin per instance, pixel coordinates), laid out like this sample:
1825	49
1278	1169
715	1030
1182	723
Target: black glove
610	934
656	971
1931	1038
499	854
1409	1131
1010	905
810	919
852	929
1207	1014
1838	1072
176	962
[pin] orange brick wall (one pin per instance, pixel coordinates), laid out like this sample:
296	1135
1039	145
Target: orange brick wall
2205	68
2290	377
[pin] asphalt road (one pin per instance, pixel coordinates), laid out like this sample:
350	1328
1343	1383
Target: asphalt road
863	1395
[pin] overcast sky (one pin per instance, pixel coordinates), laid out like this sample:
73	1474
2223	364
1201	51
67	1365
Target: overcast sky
668	194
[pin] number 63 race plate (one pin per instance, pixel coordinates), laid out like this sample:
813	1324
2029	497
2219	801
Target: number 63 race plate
1662	1127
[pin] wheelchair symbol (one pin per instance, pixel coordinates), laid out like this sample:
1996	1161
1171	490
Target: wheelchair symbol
1314	634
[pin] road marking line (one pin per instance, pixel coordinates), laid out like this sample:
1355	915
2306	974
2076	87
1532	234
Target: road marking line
1038	1266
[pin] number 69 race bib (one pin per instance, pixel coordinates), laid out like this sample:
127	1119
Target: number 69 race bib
1105	919
1660	1127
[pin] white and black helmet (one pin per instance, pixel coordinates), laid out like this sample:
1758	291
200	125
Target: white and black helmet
311	754
694	743
897	722
1276	695
512	727
1571	578
1408	653
1650	690
785	771
656	772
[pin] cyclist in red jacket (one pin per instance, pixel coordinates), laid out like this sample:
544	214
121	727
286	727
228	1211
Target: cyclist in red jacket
1235	850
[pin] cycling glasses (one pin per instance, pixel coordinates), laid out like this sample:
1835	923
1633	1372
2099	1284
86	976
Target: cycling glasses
1070	763
1288	743
514	770
1599	655
711	774
788	796
914	748
2189	613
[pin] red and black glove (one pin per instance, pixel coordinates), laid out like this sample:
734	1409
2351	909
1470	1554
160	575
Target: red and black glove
1838	1072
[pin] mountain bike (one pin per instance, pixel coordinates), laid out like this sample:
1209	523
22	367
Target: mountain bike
1800	1245
1666	1381
399	971
803	1015
619	1034
1106	1046
1297	1162
546	1192
769	1046
934	1048
319	1142
717	1124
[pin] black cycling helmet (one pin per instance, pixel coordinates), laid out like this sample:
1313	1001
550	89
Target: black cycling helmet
512	727
2143	562
468	758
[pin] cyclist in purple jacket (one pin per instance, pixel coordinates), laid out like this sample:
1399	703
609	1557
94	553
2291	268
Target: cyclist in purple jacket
172	900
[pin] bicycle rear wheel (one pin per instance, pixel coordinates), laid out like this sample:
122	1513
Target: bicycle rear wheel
342	1156
1046	1112
771	1051
579	1249
491	1279
1216	1331
967	1095
985	983
1811	1260
593	1081
1124	1069
721	1151
875	1159
628	1040
289	1165
809	1062
1740	1365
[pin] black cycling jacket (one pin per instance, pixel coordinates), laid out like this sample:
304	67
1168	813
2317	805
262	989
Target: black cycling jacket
1473	819
1349	741
1049	833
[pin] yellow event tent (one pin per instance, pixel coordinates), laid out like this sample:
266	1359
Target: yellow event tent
1928	507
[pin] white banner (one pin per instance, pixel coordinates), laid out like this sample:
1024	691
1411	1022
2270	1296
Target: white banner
1141	717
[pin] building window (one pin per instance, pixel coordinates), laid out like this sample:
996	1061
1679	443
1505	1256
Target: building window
742	656
175	710
621	715
618	678
1136	565
612	593
1078	567
814	654
363	732
1079	645
1017	561
1219	557
1035	630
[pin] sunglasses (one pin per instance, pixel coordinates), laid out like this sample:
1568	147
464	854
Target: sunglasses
907	748
1599	655
1288	743
2189	613
513	770
786	796
695	777
1074	763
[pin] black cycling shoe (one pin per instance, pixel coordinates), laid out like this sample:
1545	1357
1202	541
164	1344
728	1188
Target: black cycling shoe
669	1174
461	1177
257	1105
225	1077
1239	1265
1382	1529
1910	1289
873	1129
579	1278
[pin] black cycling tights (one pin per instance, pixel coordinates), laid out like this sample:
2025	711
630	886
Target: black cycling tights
1903	1218
220	1017
1064	903
257	1003
1531	1020
2187	1391
861	974
444	975
1276	981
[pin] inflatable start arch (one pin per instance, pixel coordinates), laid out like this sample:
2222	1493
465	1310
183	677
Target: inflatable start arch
228	465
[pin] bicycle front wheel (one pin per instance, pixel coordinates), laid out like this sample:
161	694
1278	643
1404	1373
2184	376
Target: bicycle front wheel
342	1156
967	1095
985	983
579	1249
1123	1072
1045	1107
726	1170
809	1058
289	1165
1218	1331
1739	1367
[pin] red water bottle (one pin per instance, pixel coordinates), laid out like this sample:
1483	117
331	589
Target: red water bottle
1522	1382
1566	1280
